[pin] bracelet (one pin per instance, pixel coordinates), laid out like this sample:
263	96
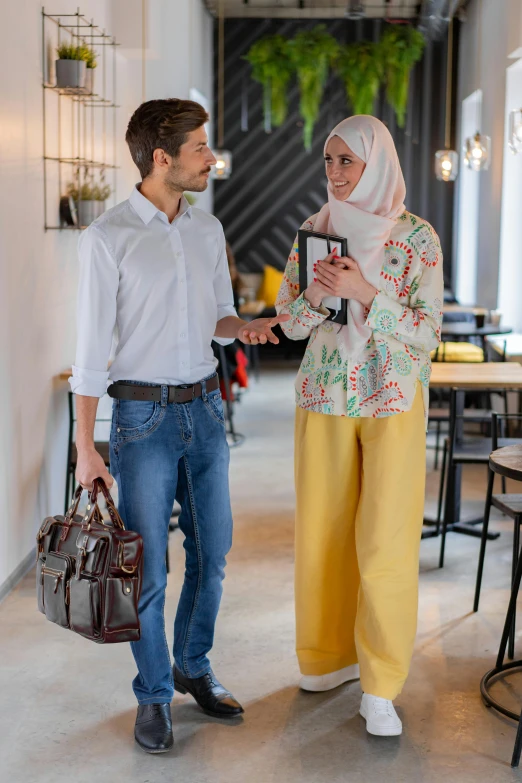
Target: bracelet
310	305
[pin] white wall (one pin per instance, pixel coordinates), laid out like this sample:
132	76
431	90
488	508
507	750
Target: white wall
38	270
179	47
494	30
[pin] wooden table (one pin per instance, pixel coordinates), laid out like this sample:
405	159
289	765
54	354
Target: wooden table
465	376
494	376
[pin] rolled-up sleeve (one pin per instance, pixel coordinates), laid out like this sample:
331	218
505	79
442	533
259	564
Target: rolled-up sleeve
223	290
419	323
96	313
303	318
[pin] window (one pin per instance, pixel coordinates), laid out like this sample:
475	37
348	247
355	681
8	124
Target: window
510	271
469	188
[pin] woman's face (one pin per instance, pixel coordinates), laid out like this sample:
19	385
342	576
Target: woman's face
343	168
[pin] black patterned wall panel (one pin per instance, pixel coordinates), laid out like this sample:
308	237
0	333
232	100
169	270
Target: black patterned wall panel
276	185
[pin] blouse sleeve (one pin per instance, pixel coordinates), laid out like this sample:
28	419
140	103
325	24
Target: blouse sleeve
419	324
303	318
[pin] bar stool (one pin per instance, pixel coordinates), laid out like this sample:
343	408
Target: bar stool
509	505
506	462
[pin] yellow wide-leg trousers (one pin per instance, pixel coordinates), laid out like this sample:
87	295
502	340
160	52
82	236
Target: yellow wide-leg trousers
360	499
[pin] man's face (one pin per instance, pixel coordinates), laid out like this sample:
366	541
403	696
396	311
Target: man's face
191	169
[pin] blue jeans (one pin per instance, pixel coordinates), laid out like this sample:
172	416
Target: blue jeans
163	451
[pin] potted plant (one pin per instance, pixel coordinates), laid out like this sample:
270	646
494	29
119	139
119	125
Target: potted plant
401	48
90	200
89	57
312	52
360	67
272	68
70	67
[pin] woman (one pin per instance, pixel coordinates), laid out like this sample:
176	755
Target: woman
362	402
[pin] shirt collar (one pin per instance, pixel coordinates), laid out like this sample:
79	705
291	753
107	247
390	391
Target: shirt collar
147	211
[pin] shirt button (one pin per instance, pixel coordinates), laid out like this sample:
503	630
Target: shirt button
182	334
182	280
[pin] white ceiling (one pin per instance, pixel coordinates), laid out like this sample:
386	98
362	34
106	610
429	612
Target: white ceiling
314	9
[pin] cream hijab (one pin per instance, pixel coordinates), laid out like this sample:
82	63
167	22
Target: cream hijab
369	213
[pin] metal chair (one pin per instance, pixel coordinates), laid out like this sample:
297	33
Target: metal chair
507	462
461	451
508	504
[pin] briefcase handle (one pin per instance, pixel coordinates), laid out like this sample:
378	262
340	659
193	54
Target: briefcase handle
97	485
93	513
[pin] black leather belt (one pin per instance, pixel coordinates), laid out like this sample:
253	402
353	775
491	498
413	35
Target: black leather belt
120	390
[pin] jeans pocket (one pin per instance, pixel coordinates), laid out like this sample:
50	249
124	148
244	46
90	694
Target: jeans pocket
136	418
214	405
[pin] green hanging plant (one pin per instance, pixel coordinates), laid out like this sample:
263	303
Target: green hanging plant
360	67
272	68
312	52
401	47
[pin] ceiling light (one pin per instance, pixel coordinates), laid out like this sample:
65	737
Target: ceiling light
447	160
477	152
446	165
222	168
223	165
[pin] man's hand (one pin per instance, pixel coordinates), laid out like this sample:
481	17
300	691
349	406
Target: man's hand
260	330
344	278
91	466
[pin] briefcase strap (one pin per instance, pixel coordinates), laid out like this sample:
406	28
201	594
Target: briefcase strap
93	513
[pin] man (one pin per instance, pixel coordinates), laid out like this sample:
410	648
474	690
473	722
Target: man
156	270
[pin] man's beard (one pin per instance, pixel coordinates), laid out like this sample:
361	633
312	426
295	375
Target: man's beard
177	182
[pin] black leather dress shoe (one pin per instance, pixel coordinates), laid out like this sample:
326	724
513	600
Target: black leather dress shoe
153	729
211	696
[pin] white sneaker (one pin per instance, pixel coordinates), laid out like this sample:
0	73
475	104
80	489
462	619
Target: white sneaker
326	682
381	718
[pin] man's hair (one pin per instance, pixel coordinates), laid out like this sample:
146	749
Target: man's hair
161	124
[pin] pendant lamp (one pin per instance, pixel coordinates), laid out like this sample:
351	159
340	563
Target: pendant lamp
477	152
447	160
223	166
477	148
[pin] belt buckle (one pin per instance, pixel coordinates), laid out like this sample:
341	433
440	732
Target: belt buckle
187	386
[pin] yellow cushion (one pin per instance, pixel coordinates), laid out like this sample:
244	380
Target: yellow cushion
458	352
270	286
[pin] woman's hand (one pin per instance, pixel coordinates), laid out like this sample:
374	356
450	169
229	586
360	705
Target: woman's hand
315	293
343	278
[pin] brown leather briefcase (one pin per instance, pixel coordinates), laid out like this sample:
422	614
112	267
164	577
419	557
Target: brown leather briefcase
89	573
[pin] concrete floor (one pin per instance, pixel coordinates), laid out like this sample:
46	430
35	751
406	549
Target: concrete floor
68	710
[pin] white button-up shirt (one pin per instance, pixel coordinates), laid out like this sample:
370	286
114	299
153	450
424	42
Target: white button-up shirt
157	288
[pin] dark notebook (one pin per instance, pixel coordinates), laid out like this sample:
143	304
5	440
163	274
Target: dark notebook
314	247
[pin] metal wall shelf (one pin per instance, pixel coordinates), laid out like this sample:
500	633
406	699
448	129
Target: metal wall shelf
85	162
80	135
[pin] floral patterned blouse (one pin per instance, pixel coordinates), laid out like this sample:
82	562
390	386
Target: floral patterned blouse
405	319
